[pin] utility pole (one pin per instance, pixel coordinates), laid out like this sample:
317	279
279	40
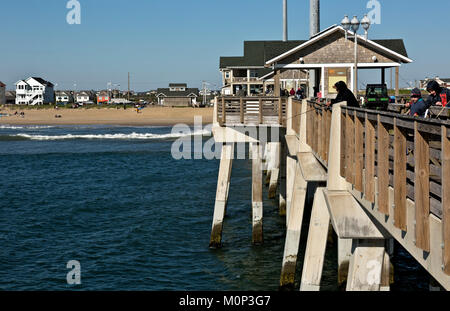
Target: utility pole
128	86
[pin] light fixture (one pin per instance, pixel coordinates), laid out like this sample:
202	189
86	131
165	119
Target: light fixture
346	23
302	61
355	24
365	23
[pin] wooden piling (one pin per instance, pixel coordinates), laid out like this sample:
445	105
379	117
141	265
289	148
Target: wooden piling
293	230
317	241
257	204
222	193
274	175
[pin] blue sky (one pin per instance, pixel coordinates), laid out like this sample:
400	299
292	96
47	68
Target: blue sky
163	41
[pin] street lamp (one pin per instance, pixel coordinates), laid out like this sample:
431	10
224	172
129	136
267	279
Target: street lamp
354	24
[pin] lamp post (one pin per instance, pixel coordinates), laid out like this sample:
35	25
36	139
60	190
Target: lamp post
354	24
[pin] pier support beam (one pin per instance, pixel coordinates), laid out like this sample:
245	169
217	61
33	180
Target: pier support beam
294	230
223	186
291	163
282	174
366	265
275	169
344	255
257	204
316	245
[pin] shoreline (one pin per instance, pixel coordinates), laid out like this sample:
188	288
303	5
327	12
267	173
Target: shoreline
151	116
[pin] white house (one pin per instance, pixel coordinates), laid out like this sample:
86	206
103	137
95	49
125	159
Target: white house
63	97
34	91
84	97
2	93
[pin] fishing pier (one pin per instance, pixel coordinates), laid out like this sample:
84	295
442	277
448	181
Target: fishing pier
376	177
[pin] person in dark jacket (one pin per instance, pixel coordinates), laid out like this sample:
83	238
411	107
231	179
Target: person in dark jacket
439	96
418	106
344	94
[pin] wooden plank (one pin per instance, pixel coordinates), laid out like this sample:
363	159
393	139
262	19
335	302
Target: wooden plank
399	177
422	189
446	196
224	115
261	117
241	104
369	186
310	167
319	134
349	151
343	144
280	112
383	168
359	154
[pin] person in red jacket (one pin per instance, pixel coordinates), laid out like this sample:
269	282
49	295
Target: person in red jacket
292	92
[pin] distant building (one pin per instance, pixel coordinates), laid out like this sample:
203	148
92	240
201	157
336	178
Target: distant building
63	97
10	97
34	91
177	95
442	82
84	97
103	97
248	76
2	93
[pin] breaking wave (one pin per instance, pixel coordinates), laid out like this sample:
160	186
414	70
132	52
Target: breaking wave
132	136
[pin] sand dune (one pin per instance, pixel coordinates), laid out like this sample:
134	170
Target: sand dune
147	116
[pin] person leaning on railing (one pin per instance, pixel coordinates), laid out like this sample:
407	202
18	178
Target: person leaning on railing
344	95
418	106
439	96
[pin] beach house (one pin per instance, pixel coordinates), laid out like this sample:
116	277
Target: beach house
2	93
442	82
103	97
177	95
63	97
249	74
34	91
10	97
85	97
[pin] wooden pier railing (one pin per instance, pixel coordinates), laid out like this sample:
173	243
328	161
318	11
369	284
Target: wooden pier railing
251	110
384	151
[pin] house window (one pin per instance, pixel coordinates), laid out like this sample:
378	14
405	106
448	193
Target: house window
227	74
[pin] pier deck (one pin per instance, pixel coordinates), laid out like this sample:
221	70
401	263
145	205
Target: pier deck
378	176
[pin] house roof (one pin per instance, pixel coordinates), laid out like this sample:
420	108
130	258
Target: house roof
446	80
42	81
2	84
177	85
166	92
394	47
256	53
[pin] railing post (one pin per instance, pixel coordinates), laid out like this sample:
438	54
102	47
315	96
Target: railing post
261	119
369	186
399	177
359	152
446	196
241	102
383	168
335	181
422	188
224	113
280	110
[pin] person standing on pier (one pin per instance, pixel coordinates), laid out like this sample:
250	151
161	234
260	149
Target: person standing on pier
344	95
417	105
439	96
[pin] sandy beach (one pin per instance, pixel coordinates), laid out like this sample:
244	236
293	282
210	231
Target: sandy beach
110	116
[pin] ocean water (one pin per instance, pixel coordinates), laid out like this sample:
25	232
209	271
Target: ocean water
115	200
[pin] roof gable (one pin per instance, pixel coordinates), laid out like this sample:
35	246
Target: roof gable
393	47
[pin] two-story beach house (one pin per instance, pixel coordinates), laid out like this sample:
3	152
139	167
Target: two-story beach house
248	75
2	93
85	97
64	97
103	97
177	95
34	91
